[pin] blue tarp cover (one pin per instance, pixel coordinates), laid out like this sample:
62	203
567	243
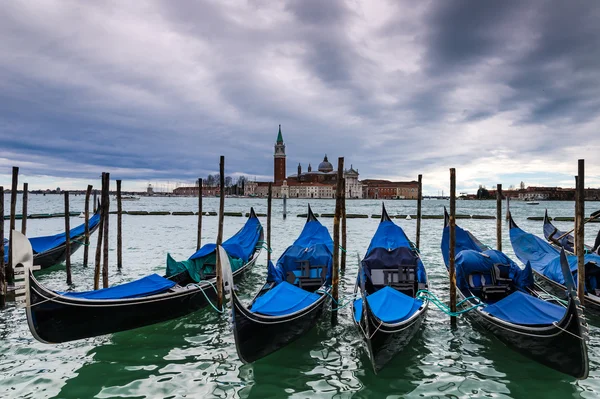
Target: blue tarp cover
389	305
464	240
520	308
545	259
314	244
146	286
474	262
44	243
240	246
390	247
283	299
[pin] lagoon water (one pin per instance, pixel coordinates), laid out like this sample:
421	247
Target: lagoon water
195	356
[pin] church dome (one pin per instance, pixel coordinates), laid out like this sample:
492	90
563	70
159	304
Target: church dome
325	166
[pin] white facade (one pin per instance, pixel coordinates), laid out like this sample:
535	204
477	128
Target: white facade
354	188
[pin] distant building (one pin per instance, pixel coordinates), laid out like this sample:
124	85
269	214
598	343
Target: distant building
385	189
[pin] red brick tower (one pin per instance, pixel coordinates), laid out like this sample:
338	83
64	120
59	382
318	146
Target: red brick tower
279	169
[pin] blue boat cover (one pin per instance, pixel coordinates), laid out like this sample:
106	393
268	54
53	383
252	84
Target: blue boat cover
566	242
520	308
464	240
146	286
389	248
470	262
241	245
239	248
389	305
283	299
545	259
45	243
314	245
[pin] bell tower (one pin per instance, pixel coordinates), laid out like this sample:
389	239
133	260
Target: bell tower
279	167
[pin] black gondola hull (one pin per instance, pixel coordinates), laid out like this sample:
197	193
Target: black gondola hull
63	319
257	336
561	347
387	340
591	304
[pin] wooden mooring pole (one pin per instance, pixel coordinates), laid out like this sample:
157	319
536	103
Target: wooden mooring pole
2	269
576	219
95	200
269	210
335	279
419	203
106	209
86	239
10	274
507	207
220	232
499	217
581	231
199	236
24	213
119	227
68	239
343	215
284	206
452	245
100	234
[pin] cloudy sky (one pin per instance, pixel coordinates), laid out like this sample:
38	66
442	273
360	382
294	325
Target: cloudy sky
155	91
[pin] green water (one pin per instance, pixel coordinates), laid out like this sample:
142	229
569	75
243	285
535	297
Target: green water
195	356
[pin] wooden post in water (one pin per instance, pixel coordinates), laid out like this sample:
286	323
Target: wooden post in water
2	269
343	215
100	236
119	227
576	219
581	231
199	238
452	244
95	199
507	207
419	202
68	239
106	209
284	206
24	213
499	217
220	232
269	210
335	280
86	239
10	274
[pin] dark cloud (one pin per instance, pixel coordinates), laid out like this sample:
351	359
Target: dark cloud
158	90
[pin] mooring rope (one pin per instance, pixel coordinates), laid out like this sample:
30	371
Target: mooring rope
338	306
430	296
206	296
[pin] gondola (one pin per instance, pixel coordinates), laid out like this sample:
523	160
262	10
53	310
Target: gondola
510	306
545	262
292	298
55	316
51	250
388	312
555	237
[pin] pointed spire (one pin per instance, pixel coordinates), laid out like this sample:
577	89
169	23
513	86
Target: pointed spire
279	136
325	159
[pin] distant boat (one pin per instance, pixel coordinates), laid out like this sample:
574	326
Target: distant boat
408	217
130	198
532	203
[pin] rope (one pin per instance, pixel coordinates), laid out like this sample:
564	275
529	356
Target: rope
206	296
259	245
425	294
343	249
338	307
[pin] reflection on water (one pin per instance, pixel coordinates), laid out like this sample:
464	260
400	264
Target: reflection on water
195	356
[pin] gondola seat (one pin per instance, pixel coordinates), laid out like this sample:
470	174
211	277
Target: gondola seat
283	299
389	305
521	308
403	279
146	286
308	277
